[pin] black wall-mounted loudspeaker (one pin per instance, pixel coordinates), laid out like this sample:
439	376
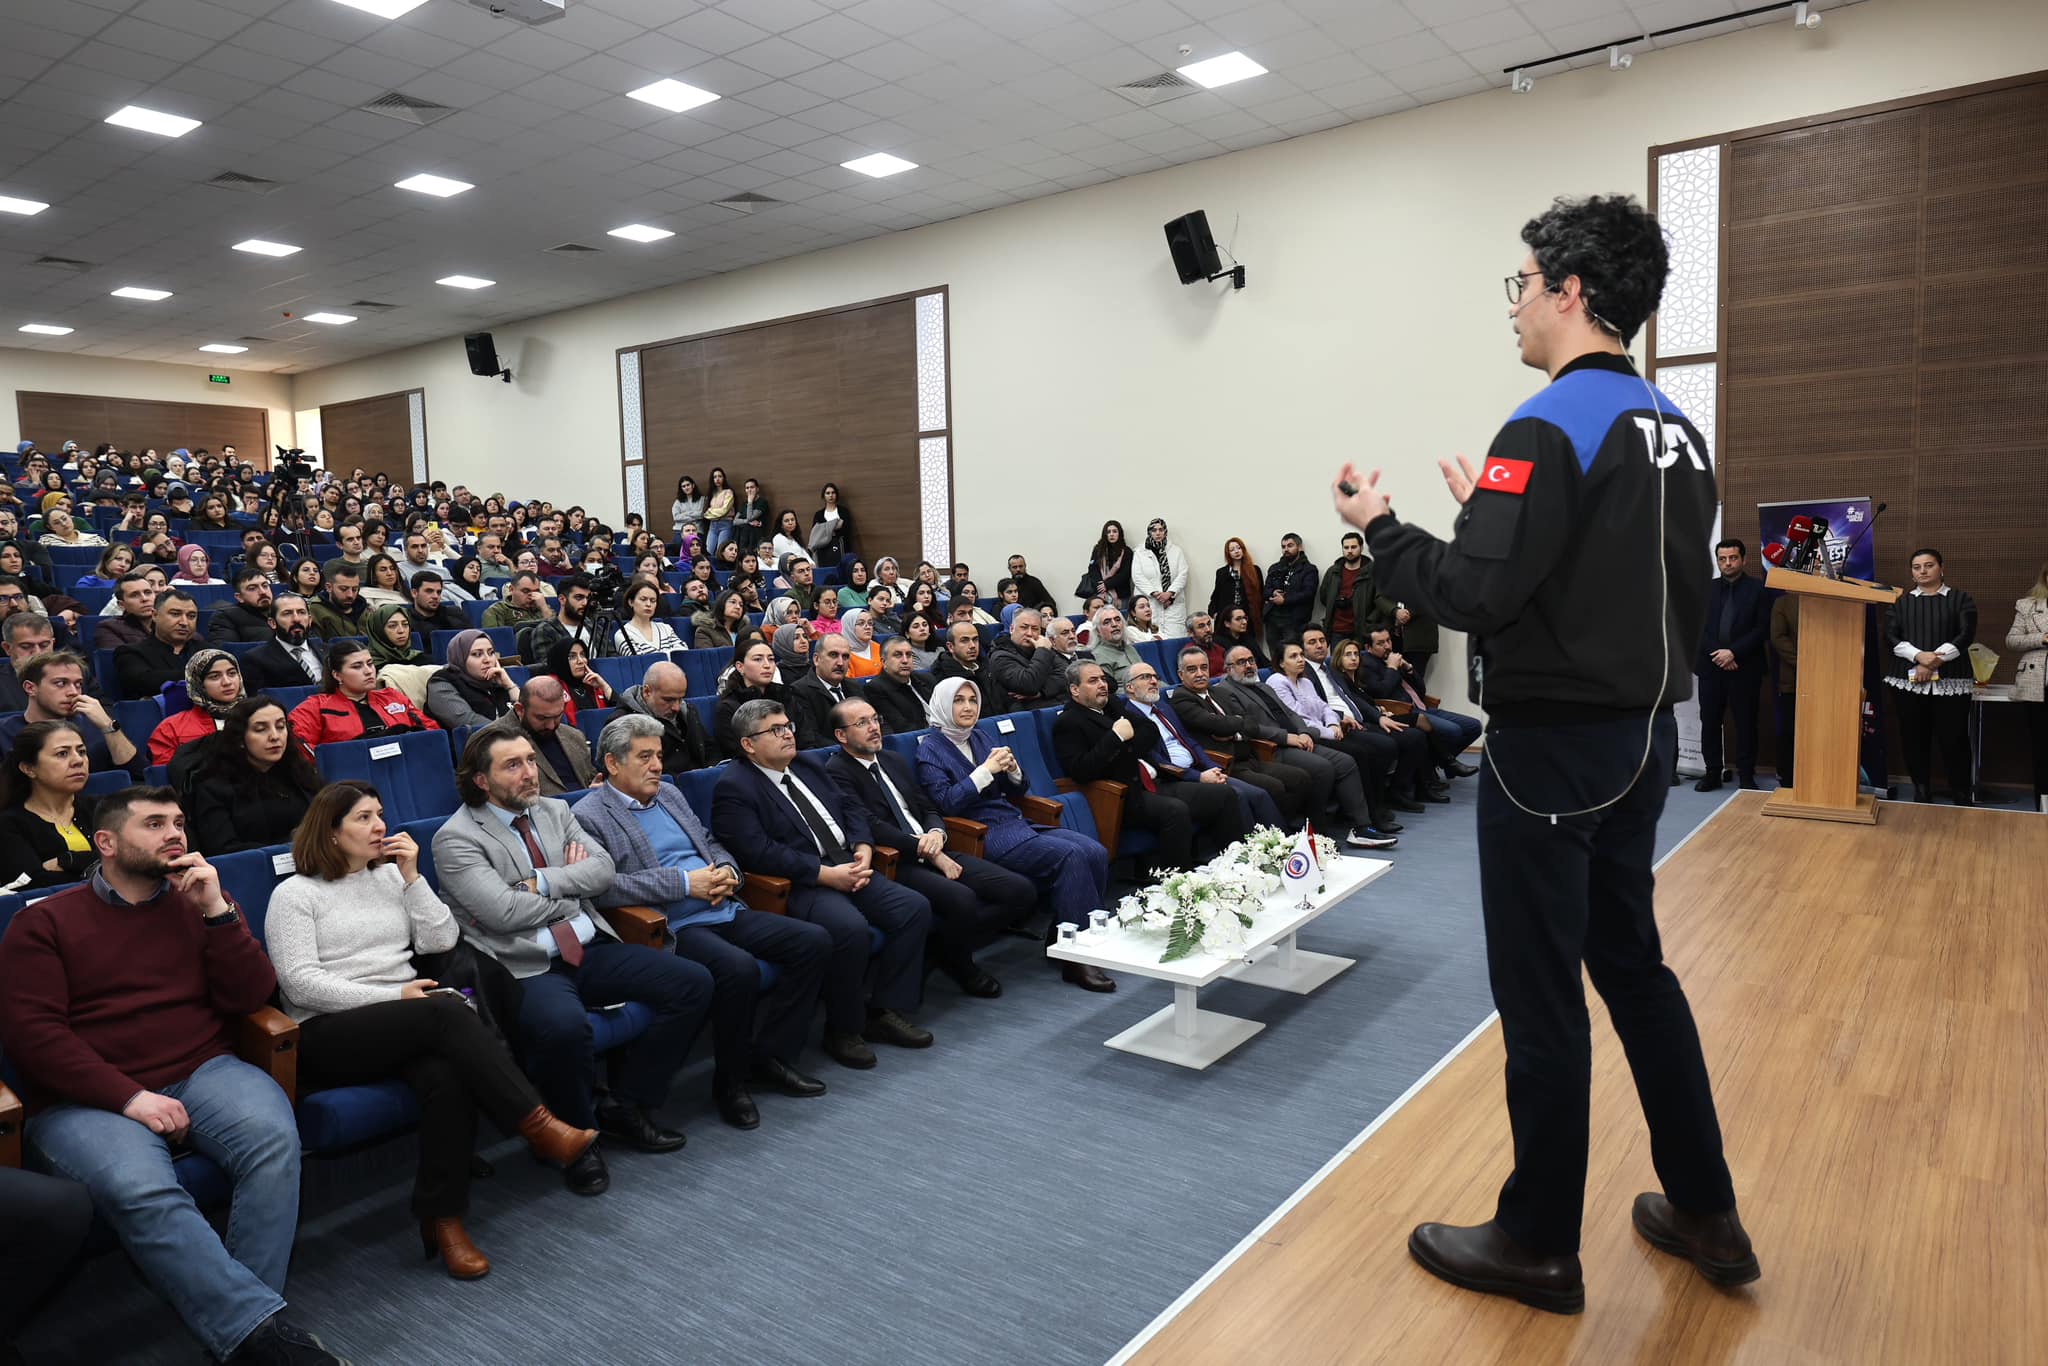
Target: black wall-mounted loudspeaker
483	357
1194	250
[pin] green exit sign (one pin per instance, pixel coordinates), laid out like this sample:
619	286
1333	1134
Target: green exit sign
217	379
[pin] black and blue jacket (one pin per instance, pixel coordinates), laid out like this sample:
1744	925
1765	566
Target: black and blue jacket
1552	567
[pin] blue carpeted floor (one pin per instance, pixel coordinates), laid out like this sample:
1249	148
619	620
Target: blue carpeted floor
1019	1193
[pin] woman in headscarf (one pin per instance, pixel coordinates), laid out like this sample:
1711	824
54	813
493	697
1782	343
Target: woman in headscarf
389	629
1160	572
213	682
569	662
859	631
1108	575
474	690
967	775
792	645
194	565
1238	585
780	612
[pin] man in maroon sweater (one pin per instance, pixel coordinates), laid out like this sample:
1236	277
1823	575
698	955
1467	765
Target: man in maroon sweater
119	1000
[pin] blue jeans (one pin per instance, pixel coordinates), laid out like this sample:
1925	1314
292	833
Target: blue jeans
242	1121
718	533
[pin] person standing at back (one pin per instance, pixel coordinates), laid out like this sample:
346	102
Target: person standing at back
1730	664
1597	489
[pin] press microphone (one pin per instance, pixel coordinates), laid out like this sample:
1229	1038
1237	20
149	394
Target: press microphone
1797	532
1774	554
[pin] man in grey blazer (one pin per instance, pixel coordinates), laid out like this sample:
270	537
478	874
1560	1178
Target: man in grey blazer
666	859
519	874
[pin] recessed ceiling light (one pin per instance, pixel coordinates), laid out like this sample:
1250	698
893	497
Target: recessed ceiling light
45	329
879	164
138	292
384	9
223	349
9	204
464	282
152	121
640	232
1231	66
439	186
263	248
672	95
331	319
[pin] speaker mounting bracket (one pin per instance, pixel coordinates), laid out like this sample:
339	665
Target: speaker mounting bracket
1235	275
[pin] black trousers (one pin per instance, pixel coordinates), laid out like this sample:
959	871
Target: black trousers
1183	816
554	1020
1581	890
1788	736
452	1061
42	1232
2037	730
745	1022
1723	692
1928	721
969	912
1388	763
1290	788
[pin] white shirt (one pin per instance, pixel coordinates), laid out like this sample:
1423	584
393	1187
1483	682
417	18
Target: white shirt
1332	693
903	808
812	797
1906	650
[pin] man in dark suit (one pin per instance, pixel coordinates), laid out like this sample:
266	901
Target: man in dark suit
781	814
1386	673
144	666
1373	737
247	618
962	659
137	596
1730	664
562	752
1180	752
1292	788
813	696
1339	784
1023	668
1030	591
430	610
899	692
291	658
972	899
1097	736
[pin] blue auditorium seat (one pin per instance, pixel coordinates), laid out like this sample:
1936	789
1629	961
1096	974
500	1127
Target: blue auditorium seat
416	780
1033	756
1130	843
591	721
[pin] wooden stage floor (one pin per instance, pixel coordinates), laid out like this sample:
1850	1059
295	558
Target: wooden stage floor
1874	1006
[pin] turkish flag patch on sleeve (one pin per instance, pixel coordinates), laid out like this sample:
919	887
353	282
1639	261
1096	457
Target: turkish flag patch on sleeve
1506	476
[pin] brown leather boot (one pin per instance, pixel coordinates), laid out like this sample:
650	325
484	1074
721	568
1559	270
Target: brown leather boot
1716	1244
458	1254
553	1141
1484	1258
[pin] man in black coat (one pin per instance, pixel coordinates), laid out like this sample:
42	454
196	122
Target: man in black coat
899	692
142	667
1030	591
1290	593
962	659
247	618
1292	789
812	697
972	898
430	610
1097	736
292	657
1359	797
1730	664
662	693
1023	668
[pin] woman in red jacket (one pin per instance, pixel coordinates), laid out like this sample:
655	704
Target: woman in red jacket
213	682
350	705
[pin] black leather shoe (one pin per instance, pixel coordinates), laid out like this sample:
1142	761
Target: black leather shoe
737	1108
1087	977
886	1026
634	1126
1716	1245
1413	808
278	1343
587	1175
848	1050
786	1079
972	980
1747	782
1710	783
1433	792
1384	822
1485	1259
1458	769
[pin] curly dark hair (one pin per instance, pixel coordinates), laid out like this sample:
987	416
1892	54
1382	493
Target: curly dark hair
1614	246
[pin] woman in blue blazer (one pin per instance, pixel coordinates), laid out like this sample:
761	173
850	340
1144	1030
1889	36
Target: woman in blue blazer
966	776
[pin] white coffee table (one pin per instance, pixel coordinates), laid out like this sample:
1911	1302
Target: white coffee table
1187	1035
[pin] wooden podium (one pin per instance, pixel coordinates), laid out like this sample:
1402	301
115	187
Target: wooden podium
1830	716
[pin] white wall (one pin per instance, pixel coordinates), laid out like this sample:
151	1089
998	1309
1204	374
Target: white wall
1087	383
54	373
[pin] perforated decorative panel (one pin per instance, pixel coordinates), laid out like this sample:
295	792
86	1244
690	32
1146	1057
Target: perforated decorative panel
935	497
631	431
636	489
1689	208
416	417
931	362
1692	388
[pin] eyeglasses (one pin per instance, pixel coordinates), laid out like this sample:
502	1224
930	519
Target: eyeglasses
1518	283
782	731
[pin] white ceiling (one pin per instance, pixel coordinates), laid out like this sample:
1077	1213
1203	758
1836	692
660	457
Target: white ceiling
996	100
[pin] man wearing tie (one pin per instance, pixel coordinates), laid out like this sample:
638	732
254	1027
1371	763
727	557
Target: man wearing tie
291	657
1386	673
1292	789
519	873
781	814
1241	697
1177	749
972	899
813	696
1371	729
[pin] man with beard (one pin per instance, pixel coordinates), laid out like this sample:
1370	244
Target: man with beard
962	659
291	657
1348	603
247	618
1290	594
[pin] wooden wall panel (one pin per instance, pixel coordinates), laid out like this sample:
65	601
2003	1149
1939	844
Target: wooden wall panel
793	404
135	424
375	433
1882	335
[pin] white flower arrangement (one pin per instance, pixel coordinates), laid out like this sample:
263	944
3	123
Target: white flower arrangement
1204	909
1267	847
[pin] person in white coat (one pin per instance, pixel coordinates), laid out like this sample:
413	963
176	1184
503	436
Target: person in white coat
1159	571
2029	636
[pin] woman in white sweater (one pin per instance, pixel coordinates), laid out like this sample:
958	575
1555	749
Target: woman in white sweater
343	935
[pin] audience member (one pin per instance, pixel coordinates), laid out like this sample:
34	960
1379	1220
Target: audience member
136	599
142	667
900	693
1108	575
247	618
23	636
119	1027
1110	645
114	561
792	647
355	936
568	663
782	815
1927	637
1180	757
339	610
1729	664
1339	783
716	627
1381	671
812	697
1237	585
1031	591
249	785
1159	571
475	688
1290	585
561	752
752	680
348	538
195	566
569	623
350	705
1348	601
431	610
389	634
213	684
291	657
662	695
1195	709
54	685
1386	765
1360	718
523	604
1023	671
42	843
925	642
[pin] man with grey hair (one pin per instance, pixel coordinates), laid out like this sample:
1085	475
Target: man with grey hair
1023	668
665	858
812	697
662	695
562	751
1111	648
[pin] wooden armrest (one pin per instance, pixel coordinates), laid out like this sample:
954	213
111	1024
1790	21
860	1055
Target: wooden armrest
964	836
764	893
1265	751
1220	759
269	1039
886	860
1038	810
10	1128
1397	710
1105	803
641	925
1433	703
